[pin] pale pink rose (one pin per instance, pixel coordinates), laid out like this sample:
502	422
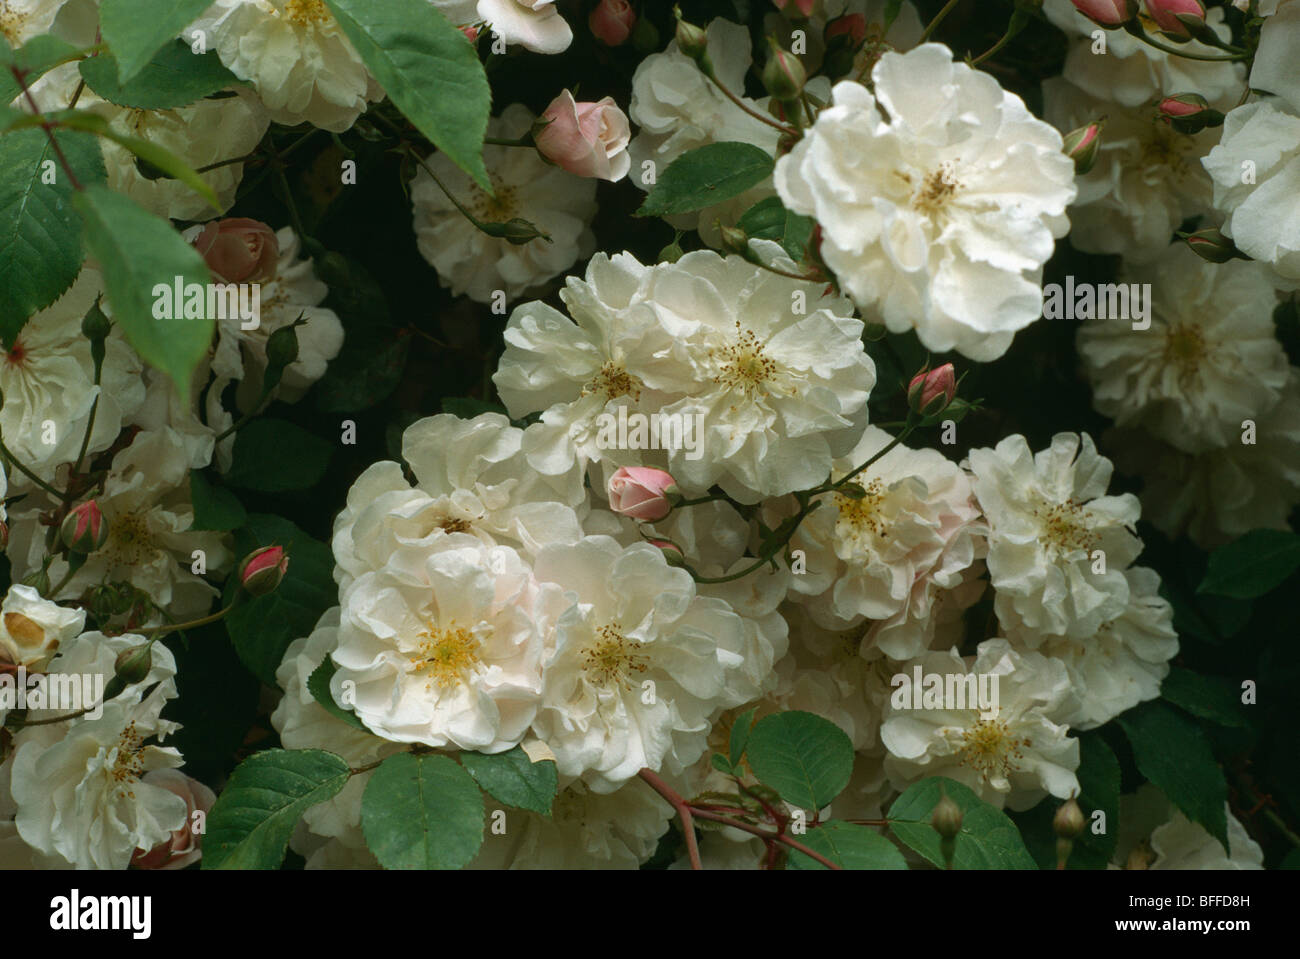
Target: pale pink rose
640	492
239	250
184	846
1165	13
612	22
1106	12
587	139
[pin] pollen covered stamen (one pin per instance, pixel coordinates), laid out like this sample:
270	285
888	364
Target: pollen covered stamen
306	12
448	656
744	365
989	748
612	658
861	513
1065	527
130	540
614	381
938	187
128	764
1185	348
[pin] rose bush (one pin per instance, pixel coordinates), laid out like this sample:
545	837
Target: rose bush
750	435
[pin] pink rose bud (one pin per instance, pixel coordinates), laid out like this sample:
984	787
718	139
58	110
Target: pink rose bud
587	139
850	28
1189	113
184	846
239	250
1107	13
931	391
641	492
673	555
263	569
471	33
1081	146
84	529
1211	245
1169	13
612	21
783	74
803	6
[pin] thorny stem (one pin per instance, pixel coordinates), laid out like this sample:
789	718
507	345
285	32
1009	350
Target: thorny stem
192	624
47	127
757	115
766	835
14	461
683	810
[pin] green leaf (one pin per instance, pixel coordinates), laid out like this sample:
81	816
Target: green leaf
422	812
250	825
849	846
40	232
175	77
429	70
1207	697
514	779
768	219
739	738
318	684
805	758
892	8
162	158
705	176
262	627
1172	752
33	59
988	838
138	251
365	372
215	507
1252	565
136	29
720	763
273	456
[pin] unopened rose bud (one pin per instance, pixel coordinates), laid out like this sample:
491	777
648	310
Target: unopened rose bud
673	555
471	33
1180	19
1068	821
1082	146
734	240
586	139
946	818
1211	245
95	325
693	41
804	7
641	493
282	346
131	666
263	569
239	250
517	231
612	21
783	75
1108	13
84	529
931	391
671	253
1189	113
39	580
850	29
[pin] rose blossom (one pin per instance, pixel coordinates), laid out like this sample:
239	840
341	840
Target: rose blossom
183	848
239	250
639	492
587	139
612	22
